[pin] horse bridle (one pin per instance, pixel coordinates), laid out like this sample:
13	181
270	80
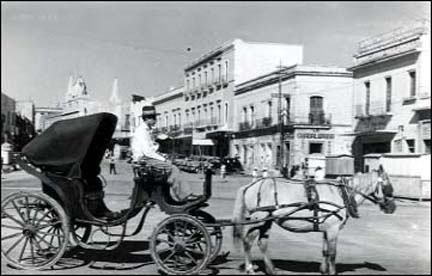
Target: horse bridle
372	196
387	191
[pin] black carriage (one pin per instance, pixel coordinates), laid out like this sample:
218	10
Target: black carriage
37	228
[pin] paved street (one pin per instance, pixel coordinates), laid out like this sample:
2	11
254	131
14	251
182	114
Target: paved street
374	244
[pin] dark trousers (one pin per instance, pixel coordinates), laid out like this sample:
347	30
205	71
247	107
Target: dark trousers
179	189
112	168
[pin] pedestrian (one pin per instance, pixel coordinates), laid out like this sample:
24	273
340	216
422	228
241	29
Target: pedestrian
223	172
112	164
145	152
255	174
265	172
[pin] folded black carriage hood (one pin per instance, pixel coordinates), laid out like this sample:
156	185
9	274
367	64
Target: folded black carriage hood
73	147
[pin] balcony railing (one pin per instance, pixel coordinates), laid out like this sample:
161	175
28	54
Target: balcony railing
188	130
245	126
263	122
319	118
376	108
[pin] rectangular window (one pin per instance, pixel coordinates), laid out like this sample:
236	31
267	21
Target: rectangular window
187	85
226	70
179	119
226	112
212	75
367	87
427	146
205	78
219	115
411	145
412	75
288	107
199	116
278	156
269	109
388	93
315	148
219	72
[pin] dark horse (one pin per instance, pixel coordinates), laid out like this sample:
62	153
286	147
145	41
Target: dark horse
305	206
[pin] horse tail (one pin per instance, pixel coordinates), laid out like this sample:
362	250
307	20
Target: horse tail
238	216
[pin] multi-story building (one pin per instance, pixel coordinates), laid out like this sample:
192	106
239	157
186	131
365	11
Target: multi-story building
392	93
8	106
170	107
315	107
205	107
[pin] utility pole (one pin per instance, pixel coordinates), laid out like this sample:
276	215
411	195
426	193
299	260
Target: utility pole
280	121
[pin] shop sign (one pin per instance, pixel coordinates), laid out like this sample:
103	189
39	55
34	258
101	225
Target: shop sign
315	135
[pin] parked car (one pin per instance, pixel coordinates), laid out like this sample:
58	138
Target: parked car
233	165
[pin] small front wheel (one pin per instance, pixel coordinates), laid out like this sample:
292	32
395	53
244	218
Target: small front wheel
35	230
180	244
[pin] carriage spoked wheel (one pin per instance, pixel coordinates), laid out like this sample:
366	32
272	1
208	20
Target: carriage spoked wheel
180	244
216	235
35	230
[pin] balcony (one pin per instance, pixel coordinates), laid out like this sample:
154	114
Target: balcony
264	122
376	108
188	130
319	118
174	130
245	126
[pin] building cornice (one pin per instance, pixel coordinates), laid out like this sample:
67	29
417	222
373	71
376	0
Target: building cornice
384	59
289	73
210	55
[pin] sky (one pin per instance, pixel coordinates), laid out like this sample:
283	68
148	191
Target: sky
145	44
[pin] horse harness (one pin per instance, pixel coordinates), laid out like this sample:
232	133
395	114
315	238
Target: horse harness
313	203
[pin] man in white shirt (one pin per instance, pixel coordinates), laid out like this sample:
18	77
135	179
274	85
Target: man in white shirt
145	149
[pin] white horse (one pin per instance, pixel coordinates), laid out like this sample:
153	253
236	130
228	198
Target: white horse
305	206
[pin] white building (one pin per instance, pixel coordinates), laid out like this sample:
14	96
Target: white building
392	93
204	107
315	103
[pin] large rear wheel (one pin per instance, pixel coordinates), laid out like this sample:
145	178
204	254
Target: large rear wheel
35	230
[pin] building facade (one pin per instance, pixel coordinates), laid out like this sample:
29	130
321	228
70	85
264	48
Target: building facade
392	93
8	106
205	107
313	116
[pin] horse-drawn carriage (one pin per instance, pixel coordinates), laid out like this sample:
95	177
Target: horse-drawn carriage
37	228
